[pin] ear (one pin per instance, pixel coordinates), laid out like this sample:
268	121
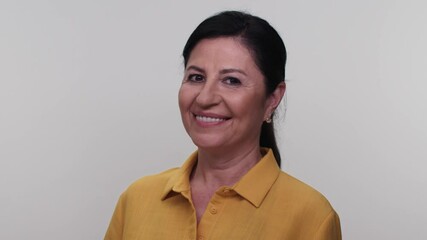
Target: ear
274	99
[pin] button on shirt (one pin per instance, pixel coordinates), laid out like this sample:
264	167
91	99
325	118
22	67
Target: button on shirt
265	204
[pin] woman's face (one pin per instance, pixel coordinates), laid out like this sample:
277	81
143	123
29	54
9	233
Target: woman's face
222	97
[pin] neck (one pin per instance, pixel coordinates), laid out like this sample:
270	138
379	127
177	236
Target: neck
215	170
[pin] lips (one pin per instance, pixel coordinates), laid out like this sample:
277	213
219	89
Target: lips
209	118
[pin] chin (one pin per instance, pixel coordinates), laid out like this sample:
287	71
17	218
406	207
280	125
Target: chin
208	143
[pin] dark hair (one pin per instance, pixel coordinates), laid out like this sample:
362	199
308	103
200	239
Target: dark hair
263	42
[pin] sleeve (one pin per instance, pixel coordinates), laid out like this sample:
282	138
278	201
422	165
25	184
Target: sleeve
330	229
115	229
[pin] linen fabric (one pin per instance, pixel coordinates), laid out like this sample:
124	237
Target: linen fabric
265	204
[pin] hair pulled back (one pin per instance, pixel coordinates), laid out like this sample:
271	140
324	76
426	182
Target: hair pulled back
265	45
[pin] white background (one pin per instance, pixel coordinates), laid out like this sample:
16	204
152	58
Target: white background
88	104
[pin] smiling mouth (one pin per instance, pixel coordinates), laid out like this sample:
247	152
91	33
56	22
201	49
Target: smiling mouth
207	119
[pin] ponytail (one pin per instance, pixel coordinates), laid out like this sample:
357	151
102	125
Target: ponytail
268	139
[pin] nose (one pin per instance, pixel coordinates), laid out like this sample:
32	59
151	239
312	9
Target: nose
208	95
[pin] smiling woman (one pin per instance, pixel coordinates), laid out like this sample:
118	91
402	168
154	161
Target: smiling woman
232	186
223	100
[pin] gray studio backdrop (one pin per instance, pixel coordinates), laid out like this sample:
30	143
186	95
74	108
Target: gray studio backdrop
88	104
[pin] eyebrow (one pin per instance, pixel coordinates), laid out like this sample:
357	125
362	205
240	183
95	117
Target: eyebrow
195	68
232	70
223	71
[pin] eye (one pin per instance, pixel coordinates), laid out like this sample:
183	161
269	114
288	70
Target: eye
232	81
195	78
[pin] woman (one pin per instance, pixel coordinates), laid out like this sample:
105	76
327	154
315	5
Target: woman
232	186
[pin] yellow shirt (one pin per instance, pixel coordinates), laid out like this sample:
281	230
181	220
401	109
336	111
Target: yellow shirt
265	204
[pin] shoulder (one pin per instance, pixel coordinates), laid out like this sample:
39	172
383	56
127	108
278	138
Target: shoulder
301	196
151	184
306	206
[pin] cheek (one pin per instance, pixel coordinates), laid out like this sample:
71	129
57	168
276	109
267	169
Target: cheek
181	100
253	105
184	99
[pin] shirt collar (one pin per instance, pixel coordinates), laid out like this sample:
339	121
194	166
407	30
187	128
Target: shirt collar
256	183
180	181
253	186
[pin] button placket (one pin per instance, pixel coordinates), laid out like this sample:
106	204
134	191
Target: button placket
212	214
213	210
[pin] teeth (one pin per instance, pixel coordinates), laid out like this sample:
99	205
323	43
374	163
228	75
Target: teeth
209	119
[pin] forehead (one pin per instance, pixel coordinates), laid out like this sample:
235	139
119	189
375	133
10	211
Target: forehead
227	50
